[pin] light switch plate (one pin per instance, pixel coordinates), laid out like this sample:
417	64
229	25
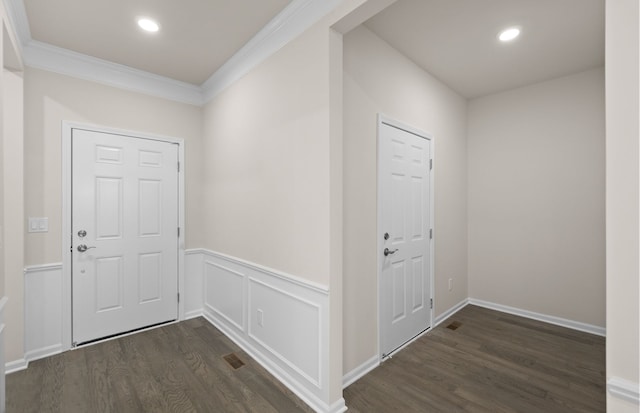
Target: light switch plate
38	224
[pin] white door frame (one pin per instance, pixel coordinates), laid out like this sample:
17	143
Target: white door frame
382	119
67	128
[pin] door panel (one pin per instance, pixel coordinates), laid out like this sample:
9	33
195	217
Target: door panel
404	174
125	196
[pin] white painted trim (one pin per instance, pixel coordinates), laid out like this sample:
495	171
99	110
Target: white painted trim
311	400
66	62
563	322
16	365
383	119
3	302
17	15
315	381
321	288
42	267
193	314
294	19
360	371
310	386
624	389
67	128
442	317
43	352
338	407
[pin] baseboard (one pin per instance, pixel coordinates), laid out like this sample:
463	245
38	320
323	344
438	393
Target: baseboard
338	407
355	374
439	319
193	314
43	352
268	365
562	322
624	389
16	365
279	320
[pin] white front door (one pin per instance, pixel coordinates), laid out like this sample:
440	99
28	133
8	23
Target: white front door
125	213
405	259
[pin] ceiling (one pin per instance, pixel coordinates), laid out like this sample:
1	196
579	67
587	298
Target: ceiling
456	40
196	37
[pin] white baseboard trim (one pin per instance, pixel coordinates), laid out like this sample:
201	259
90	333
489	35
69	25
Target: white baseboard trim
43	352
292	342
562	322
624	389
352	376
439	319
338	407
16	365
193	314
268	365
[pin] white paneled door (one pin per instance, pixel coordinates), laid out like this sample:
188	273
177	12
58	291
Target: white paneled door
124	233
404	230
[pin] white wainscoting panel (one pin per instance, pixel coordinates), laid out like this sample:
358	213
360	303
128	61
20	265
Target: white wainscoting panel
3	301
278	319
43	311
193	283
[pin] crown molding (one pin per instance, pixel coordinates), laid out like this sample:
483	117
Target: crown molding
294	19
17	15
56	59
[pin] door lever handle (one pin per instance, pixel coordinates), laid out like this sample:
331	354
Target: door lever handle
388	252
83	248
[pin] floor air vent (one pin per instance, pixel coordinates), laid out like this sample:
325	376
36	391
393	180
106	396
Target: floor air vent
454	325
233	361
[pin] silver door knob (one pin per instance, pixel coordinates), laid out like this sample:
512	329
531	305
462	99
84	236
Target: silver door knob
83	248
388	252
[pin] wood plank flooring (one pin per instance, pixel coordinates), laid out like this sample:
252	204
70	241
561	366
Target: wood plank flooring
493	362
175	368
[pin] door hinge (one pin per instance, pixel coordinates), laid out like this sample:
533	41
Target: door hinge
430	163
432	303
178	232
178	297
178	166
431	233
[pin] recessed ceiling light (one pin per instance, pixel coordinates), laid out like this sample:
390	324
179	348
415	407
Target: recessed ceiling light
509	34
148	25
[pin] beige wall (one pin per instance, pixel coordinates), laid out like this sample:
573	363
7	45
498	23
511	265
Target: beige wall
378	79
536	198
266	162
623	130
52	98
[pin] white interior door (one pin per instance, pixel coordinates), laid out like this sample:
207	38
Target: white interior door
405	259
125	211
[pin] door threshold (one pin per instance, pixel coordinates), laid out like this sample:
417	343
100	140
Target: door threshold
123	334
385	357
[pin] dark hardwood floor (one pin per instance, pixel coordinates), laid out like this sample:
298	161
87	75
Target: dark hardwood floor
175	368
493	362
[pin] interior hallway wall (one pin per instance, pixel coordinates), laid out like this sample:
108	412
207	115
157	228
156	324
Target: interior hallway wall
267	160
51	98
378	79
536	198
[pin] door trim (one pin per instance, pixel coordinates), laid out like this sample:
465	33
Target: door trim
383	119
67	127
